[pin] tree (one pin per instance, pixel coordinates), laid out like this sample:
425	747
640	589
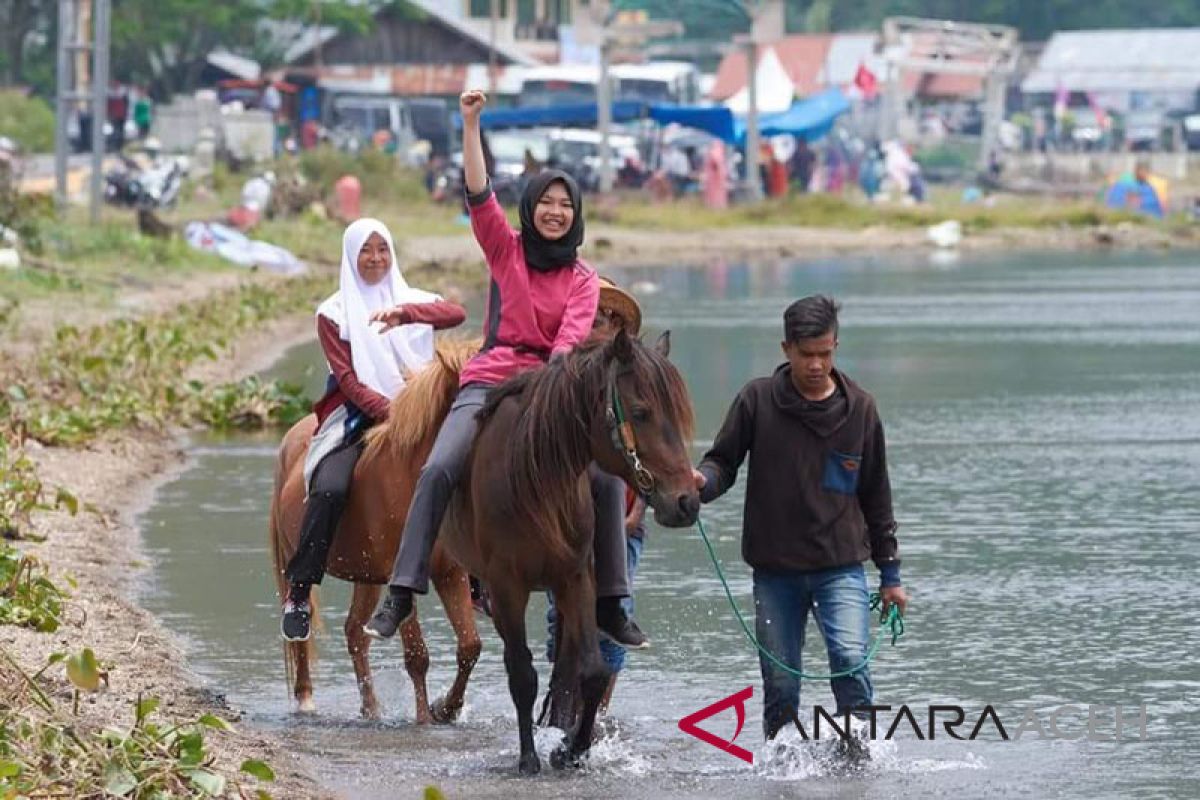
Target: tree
19	21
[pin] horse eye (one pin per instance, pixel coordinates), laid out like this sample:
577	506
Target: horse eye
640	414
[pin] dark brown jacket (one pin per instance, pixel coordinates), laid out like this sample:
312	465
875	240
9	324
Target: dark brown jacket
817	493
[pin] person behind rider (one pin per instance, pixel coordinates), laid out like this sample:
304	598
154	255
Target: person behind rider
368	366
618	310
541	304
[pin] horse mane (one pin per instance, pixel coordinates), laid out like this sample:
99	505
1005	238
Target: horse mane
550	443
417	412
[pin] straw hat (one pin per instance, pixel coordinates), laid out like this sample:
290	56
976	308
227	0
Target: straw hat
617	299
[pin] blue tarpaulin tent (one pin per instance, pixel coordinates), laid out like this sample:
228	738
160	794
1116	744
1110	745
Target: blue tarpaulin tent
566	116
716	120
811	118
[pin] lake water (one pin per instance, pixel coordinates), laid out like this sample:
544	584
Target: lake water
1043	422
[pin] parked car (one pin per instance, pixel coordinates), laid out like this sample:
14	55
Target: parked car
355	119
1191	131
576	151
1143	129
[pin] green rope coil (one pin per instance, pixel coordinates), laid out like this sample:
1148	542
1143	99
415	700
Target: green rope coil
889	622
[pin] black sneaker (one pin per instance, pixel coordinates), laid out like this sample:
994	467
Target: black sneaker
297	619
396	609
615	624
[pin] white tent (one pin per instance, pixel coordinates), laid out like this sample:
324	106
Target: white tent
775	88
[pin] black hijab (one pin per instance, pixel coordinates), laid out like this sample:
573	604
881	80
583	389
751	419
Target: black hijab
542	254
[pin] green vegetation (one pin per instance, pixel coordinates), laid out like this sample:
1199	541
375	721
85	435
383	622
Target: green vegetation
27	595
29	121
127	373
829	211
45	752
21	490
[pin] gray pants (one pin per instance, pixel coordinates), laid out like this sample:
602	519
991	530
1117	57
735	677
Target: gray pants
440	476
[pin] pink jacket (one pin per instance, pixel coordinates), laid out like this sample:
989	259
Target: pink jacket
531	316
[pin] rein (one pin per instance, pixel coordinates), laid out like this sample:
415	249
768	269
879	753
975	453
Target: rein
622	435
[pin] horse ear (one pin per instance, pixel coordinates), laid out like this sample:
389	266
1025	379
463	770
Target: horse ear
621	347
662	345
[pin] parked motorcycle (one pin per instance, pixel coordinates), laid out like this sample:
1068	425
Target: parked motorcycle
135	186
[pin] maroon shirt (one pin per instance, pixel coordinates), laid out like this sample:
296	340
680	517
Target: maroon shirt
440	314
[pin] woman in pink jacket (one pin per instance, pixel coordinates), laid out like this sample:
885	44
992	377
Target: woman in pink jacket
542	303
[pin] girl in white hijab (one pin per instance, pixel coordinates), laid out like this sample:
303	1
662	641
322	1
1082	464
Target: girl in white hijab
376	332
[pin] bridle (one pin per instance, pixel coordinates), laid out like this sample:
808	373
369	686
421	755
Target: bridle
620	430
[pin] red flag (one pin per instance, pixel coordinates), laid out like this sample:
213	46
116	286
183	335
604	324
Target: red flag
866	81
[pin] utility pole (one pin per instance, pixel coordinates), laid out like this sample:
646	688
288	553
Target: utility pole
606	28
317	55
753	181
493	24
604	119
766	25
66	98
101	27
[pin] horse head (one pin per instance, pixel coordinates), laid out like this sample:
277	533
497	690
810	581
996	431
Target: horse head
644	432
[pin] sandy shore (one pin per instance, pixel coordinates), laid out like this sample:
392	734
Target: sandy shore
103	552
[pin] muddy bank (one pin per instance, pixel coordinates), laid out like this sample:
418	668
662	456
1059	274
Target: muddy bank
102	551
634	247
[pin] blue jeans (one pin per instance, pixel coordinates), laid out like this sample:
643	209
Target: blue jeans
840	603
612	653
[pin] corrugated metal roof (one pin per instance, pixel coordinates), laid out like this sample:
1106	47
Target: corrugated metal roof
435	10
239	66
1162	59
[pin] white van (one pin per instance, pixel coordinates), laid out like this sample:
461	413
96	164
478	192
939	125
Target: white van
356	118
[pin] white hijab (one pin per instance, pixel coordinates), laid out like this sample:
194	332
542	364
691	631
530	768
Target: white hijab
380	360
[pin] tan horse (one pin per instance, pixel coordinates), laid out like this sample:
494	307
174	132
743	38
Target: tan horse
369	536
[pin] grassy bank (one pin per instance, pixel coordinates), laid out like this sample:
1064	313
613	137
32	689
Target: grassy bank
834	212
126	376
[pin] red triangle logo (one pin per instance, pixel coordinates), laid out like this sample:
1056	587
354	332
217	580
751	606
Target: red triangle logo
738	701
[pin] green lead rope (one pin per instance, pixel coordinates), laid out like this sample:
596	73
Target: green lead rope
889	622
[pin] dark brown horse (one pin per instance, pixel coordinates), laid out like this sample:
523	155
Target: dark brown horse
522	519
369	535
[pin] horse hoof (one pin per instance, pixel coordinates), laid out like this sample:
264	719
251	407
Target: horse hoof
565	757
372	713
306	705
529	764
443	713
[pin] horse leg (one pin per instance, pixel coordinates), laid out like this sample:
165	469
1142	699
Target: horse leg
362	604
589	675
595	680
301	656
455	590
564	678
416	661
508	609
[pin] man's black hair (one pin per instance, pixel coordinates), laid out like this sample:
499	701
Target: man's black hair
810	318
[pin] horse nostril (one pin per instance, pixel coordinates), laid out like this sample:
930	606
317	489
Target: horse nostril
689	504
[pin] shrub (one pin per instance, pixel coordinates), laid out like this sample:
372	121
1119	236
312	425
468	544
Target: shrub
27	120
